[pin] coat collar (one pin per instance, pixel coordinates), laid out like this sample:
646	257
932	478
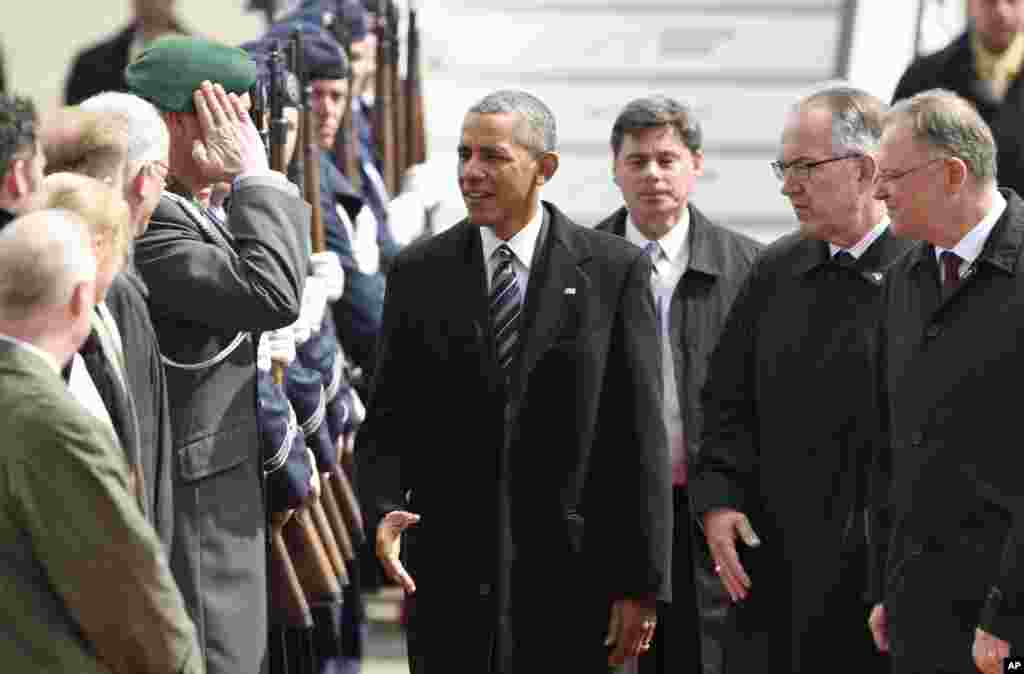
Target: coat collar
704	257
1002	250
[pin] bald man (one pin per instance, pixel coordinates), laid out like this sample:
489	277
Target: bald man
84	584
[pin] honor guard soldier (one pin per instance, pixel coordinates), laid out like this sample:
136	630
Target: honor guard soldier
212	284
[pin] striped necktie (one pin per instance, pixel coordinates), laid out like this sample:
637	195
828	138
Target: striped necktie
505	307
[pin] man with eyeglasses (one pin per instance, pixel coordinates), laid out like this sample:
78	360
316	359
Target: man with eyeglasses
952	591
784	443
21	156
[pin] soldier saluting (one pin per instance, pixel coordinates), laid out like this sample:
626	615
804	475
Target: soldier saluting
212	284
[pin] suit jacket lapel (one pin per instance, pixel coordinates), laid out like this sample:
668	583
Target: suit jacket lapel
555	273
470	288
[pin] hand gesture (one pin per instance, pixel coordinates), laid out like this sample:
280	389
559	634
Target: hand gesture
989	651
630	629
722	526
230	144
389	546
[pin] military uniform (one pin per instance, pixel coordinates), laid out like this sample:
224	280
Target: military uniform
212	286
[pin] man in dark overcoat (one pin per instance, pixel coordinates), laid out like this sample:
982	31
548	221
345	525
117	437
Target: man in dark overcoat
785	447
211	285
537	523
983	65
951	357
657	148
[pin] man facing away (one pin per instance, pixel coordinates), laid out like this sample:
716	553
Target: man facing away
85	585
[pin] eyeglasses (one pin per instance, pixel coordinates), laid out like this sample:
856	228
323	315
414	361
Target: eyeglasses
888	177
801	170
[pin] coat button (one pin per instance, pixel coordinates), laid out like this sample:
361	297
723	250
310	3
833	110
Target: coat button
485	589
933	331
917	439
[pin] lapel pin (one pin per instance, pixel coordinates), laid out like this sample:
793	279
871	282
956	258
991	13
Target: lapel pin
570	291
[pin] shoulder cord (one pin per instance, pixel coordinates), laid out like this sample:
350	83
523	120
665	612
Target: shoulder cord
216	237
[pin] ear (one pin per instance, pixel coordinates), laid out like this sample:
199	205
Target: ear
548	166
137	186
955	173
698	162
83	298
868	169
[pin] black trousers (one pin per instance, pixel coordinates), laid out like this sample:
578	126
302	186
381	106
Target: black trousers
676	645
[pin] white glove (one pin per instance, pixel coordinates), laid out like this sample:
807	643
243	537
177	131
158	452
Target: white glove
314	303
364	247
358	410
420	180
275	345
327	267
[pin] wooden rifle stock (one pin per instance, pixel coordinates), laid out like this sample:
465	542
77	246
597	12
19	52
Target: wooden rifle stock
310	150
415	130
288	605
398	161
383	123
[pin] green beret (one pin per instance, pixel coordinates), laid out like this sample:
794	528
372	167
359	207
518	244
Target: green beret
169	71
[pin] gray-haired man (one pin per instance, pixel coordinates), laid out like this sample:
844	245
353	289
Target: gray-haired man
952	360
790	402
542	513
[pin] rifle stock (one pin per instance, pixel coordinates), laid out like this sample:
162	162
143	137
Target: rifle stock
383	122
415	129
398	159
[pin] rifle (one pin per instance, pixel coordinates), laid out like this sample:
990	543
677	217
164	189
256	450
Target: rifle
326	515
340	510
290	612
383	123
415	129
397	108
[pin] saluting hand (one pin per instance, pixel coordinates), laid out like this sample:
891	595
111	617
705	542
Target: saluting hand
722	526
389	546
230	144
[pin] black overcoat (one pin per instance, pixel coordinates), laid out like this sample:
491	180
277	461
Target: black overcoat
541	504
789	431
951	368
719	262
953	68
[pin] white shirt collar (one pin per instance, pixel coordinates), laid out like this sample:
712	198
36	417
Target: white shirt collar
672	245
523	244
970	246
858	249
32	348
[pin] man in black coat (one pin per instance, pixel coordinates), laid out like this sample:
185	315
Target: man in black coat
211	285
101	67
983	65
785	447
537	515
699	267
951	359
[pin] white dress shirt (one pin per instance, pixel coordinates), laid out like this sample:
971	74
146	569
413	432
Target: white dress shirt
523	245
857	249
670	263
